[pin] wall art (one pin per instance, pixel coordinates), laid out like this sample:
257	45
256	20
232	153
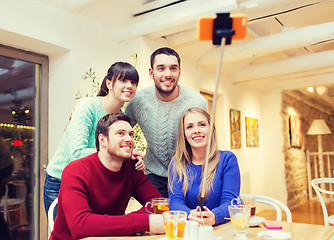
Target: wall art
235	129
296	131
252	132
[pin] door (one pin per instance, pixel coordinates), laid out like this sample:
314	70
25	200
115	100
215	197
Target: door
23	128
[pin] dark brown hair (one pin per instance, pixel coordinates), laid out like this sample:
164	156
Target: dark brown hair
119	70
105	122
167	51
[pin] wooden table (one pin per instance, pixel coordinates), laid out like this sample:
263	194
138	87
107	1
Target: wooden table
299	231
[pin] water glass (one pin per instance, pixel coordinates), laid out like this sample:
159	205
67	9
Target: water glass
239	215
246	200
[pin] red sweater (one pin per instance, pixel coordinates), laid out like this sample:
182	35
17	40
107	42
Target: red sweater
92	200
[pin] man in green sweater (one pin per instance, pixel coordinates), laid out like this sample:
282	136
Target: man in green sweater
158	109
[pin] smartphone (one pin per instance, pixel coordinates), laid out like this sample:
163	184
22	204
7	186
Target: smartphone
205	27
272	225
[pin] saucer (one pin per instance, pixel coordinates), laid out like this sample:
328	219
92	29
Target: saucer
256	221
274	235
214	238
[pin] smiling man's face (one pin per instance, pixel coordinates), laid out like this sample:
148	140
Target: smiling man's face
120	142
165	74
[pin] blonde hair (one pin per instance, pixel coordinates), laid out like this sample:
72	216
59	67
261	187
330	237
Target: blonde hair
183	156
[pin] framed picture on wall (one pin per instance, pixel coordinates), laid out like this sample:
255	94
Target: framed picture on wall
235	131
252	132
296	131
208	95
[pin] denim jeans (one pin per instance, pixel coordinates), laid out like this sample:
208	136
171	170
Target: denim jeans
51	191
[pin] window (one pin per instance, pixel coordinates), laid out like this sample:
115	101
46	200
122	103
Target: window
24	127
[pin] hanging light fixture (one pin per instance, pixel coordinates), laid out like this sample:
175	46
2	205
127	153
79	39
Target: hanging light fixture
310	89
321	90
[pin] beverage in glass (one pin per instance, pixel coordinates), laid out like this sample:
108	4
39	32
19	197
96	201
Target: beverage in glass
246	200
239	215
158	205
175	222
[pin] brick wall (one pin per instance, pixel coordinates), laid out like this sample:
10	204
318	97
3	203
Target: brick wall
295	160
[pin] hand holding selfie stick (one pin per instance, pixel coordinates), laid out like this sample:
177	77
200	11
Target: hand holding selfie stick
221	30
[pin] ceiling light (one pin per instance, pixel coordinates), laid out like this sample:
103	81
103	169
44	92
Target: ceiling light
321	90
310	89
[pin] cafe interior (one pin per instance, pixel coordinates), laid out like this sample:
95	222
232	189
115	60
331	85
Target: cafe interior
275	98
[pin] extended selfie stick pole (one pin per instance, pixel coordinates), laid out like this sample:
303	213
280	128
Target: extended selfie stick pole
222	33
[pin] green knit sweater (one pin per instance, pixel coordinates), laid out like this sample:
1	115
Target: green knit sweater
78	140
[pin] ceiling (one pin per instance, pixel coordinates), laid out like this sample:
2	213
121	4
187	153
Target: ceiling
289	43
293	40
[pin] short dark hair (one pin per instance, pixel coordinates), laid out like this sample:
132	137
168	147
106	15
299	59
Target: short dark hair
105	122
167	51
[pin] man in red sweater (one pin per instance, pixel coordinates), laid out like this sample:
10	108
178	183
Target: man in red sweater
96	189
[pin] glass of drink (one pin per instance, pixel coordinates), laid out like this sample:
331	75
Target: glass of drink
175	222
157	205
246	200
239	215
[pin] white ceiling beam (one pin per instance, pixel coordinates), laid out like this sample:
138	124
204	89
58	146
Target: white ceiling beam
302	37
77	5
176	15
279	69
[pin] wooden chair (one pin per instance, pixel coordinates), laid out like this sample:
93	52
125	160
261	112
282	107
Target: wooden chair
319	186
278	205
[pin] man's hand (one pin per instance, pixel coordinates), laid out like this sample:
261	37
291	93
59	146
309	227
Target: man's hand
209	218
139	159
156	224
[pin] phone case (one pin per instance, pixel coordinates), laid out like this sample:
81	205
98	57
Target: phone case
272	225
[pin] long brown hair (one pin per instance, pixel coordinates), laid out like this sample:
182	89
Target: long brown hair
183	157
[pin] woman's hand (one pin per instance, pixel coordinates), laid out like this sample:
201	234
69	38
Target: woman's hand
209	218
138	157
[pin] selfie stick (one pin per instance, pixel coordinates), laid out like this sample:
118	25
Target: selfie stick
222	33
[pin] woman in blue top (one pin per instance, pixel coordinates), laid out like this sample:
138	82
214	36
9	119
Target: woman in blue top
185	172
78	140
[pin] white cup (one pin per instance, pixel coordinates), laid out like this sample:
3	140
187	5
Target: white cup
187	231
205	233
193	230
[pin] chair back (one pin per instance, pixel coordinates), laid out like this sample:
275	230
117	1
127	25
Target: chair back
278	205
13	208
318	185
5	201
51	216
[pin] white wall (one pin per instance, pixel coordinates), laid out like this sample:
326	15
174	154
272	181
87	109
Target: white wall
262	168
73	44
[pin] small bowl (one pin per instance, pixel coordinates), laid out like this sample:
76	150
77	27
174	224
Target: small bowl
274	235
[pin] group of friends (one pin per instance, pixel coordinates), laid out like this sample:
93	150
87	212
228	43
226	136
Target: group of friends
96	170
